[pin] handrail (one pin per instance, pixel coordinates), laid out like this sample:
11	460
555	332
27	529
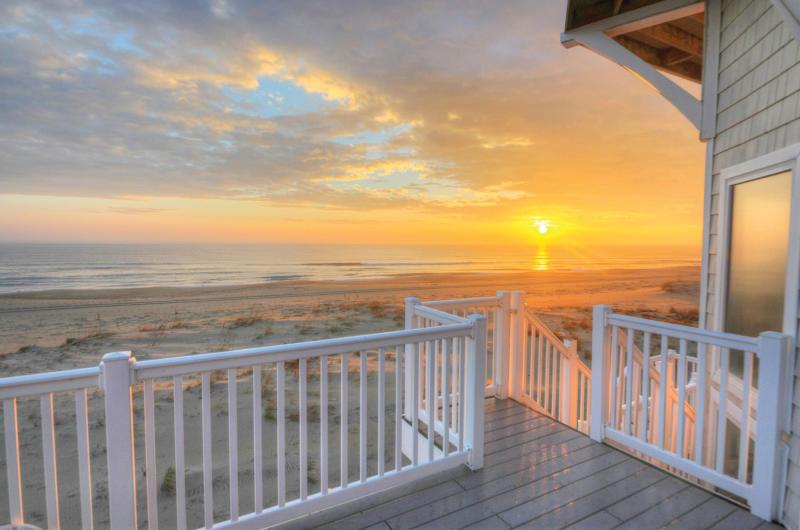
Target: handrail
205	362
486	301
725	340
438	316
36	384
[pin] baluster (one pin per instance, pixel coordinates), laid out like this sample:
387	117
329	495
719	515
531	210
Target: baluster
430	360
281	442
233	446
398	406
462	383
84	461
303	456
446	392
49	461
415	407
679	447
541	346
208	468
628	379
614	376
151	474
343	413
180	467
643	430
700	405
529	358
323	425
12	462
258	453
744	438
362	413
381	411
454	383
662	390
723	404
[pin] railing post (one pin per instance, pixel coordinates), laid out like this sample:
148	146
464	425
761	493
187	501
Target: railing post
116	375
476	384
411	303
773	357
502	347
568	391
517	342
598	403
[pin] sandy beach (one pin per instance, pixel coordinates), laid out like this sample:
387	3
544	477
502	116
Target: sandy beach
58	330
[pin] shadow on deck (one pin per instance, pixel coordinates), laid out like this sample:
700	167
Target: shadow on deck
539	473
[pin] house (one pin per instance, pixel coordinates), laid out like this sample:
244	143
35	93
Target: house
476	414
746	58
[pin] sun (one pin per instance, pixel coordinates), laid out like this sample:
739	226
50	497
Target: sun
542	226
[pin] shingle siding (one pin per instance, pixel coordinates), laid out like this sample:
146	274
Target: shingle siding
758	111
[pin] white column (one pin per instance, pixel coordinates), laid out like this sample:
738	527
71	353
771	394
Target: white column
476	383
773	357
411	302
502	346
517	342
598	403
116	374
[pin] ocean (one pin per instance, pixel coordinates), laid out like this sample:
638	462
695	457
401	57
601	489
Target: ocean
51	266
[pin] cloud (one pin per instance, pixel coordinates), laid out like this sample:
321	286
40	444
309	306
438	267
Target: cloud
436	106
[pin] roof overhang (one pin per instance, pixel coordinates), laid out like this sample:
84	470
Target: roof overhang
667	34
649	38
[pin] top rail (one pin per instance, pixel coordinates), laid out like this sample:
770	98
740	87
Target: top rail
191	364
725	340
438	316
486	301
37	384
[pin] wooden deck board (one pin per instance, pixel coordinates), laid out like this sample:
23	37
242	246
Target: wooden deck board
539	474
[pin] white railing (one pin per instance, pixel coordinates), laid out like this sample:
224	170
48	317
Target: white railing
47	389
697	413
703	404
455	401
550	376
496	310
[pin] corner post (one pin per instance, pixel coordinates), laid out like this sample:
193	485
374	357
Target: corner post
476	384
518	342
502	346
566	401
599	346
116	371
773	357
411	303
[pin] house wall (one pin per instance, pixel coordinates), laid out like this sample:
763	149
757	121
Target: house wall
758	111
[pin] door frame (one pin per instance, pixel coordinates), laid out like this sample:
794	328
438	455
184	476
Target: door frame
787	159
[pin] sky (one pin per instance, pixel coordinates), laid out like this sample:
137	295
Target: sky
345	122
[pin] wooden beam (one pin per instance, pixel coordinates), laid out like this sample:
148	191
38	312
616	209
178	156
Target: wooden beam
677	38
673	56
636	19
687	70
617	6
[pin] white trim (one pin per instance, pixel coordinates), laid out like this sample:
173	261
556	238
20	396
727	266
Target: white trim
707	188
601	43
790	11
637	19
785	159
711	45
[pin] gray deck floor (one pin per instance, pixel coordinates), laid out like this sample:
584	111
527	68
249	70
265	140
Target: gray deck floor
540	474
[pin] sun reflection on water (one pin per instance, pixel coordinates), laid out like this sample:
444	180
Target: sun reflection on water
541	262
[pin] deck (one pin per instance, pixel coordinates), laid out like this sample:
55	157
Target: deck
540	474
